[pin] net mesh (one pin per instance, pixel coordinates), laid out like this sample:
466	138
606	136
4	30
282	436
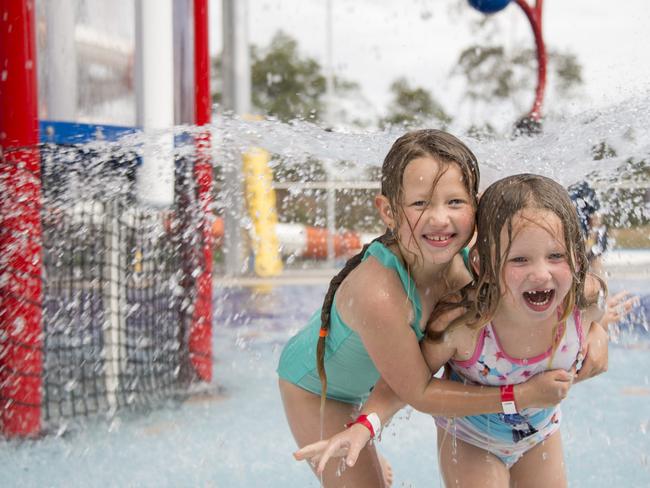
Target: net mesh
118	283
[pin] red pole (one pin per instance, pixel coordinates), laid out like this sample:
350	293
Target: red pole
21	363
200	341
534	15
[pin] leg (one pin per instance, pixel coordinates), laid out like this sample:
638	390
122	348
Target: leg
545	458
386	469
463	465
302	409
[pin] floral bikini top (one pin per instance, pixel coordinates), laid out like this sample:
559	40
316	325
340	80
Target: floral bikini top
491	365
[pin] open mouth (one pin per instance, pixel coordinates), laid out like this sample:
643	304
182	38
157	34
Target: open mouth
539	299
438	240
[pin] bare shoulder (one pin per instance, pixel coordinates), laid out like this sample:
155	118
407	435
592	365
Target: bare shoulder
372	293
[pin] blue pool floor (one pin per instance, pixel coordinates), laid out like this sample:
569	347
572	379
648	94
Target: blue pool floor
236	436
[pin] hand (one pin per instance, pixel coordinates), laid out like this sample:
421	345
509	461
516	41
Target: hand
618	306
346	444
446	314
595	354
545	389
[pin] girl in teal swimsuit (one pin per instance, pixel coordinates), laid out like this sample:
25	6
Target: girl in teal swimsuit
378	306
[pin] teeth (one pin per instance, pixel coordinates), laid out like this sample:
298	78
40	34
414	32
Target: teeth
437	238
535	296
542	303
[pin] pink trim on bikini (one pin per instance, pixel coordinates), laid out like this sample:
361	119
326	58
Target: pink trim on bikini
478	349
532	360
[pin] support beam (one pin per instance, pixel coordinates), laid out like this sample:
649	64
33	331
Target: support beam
155	100
21	356
200	340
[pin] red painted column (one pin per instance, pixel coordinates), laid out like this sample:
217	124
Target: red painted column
21	364
200	341
534	15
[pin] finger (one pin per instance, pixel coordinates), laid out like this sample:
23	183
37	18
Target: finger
332	450
615	299
309	450
630	303
353	454
451	314
440	322
564	376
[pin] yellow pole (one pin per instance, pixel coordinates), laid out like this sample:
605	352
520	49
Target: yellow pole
260	197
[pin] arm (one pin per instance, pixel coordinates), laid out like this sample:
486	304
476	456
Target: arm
384	328
595	350
452	399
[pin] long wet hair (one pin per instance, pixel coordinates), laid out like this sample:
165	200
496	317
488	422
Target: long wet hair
446	150
498	206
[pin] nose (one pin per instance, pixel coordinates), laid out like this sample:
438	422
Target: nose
437	216
539	273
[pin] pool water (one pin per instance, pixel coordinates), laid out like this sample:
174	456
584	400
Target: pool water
237	436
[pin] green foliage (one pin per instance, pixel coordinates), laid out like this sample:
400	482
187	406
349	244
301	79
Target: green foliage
481	132
603	151
309	170
412	106
492	73
627	199
285	84
487	73
568	71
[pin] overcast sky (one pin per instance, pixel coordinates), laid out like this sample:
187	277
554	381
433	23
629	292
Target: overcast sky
376	41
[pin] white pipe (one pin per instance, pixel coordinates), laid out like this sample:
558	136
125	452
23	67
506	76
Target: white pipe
155	100
237	98
60	61
236	58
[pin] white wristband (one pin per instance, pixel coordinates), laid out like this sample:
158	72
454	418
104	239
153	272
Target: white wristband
373	418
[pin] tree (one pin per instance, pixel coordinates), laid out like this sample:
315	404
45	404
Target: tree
412	106
288	85
284	84
494	74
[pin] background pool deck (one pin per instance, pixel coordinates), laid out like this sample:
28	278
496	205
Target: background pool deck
237	436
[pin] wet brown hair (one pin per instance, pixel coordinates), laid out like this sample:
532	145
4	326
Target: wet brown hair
446	150
498	206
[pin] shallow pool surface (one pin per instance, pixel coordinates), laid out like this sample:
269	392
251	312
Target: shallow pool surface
236	436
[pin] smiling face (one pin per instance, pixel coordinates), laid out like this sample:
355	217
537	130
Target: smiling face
510	210
436	211
536	275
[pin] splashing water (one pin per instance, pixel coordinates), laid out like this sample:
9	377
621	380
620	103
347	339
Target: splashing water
565	150
238	436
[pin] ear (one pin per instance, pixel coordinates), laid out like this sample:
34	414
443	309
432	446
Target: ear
474	260
385	211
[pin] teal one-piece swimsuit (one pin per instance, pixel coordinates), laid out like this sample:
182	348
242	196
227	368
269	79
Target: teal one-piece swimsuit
351	374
